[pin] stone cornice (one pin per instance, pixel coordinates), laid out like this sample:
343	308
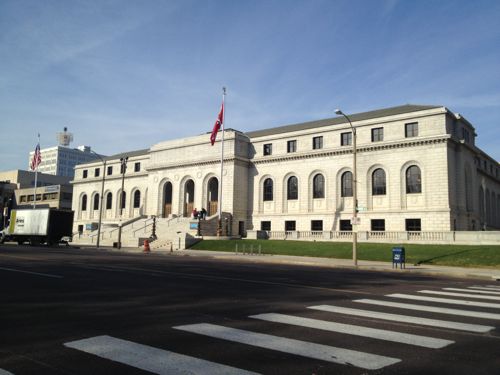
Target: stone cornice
348	150
198	163
108	178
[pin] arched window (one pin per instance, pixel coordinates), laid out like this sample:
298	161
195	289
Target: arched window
292	188
378	182
96	202
109	201
268	189
318	186
481	203
413	180
189	191
137	199
346	184
123	199
84	202
488	207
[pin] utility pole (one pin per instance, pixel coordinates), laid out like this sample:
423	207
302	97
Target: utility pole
354	191
123	162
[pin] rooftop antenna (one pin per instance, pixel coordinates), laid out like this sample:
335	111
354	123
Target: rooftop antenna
65	138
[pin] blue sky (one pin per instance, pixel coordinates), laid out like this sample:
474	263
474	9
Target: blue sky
124	75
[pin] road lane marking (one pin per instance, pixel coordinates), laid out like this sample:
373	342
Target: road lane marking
154	272
148	358
441	310
451	294
302	348
487	287
445	300
380	334
493	286
32	273
473	291
405	319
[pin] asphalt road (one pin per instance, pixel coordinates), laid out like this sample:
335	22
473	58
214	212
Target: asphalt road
73	311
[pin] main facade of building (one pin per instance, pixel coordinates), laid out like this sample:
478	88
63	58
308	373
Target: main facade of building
418	169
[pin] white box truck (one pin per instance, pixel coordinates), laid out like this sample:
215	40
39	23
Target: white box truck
38	226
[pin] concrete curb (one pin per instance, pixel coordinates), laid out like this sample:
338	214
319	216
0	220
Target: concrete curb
427	270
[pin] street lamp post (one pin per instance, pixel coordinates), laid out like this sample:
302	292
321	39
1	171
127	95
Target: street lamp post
102	193
354	190
123	162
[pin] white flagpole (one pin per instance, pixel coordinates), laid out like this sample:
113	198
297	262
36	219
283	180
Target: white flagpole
219	229
36	171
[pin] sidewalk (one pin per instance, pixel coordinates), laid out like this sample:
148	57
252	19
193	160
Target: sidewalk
490	274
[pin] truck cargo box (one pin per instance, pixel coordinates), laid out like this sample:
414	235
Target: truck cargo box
43	225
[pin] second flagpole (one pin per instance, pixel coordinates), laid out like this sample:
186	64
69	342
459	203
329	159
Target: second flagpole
35	163
219	224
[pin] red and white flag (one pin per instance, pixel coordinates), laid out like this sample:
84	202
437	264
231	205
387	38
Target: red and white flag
218	123
37	158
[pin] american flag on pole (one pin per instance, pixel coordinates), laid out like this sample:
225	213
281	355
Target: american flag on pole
37	158
217	125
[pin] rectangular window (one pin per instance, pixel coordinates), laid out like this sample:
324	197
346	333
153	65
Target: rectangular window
345	225
465	135
377	134
265	225
413	225
411	129
85	173
290	225
346	139
49	196
291	146
110	170
137	167
317	143
268	149
97	172
378	225
317	225
23	198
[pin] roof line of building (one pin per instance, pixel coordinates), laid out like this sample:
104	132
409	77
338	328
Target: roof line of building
407	108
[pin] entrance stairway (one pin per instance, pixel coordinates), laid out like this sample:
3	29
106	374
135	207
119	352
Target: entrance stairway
172	233
168	230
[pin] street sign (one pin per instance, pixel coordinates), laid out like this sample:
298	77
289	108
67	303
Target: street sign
355	220
362	208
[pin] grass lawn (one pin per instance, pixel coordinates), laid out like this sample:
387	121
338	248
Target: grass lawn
446	255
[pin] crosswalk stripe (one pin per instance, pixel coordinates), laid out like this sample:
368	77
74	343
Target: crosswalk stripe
302	348
404	318
451	294
441	310
445	300
473	291
493	286
157	361
381	334
485	288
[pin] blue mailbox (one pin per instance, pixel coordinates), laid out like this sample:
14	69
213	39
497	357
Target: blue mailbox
398	257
